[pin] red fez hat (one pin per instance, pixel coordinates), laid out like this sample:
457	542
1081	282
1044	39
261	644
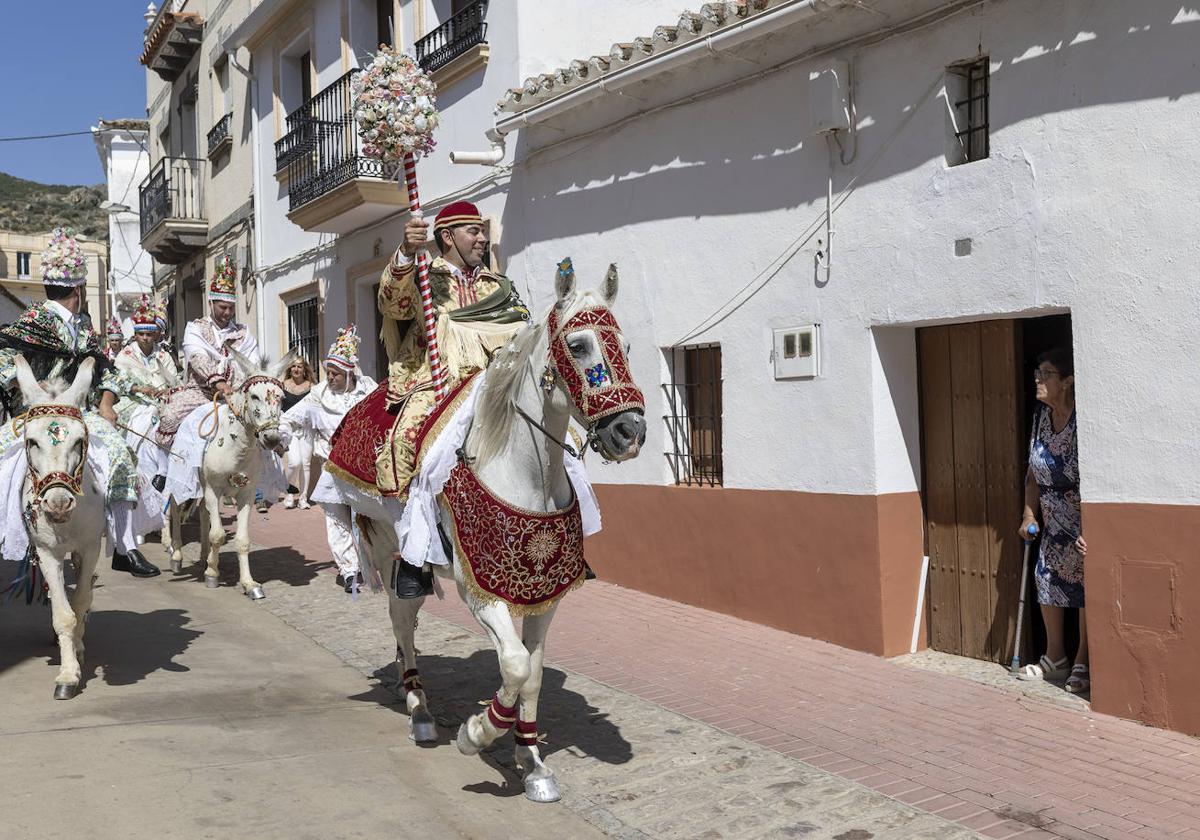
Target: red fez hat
458	213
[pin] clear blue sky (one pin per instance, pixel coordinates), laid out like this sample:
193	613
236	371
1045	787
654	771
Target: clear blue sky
64	64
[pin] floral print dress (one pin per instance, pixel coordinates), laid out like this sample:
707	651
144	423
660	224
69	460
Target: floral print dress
1054	464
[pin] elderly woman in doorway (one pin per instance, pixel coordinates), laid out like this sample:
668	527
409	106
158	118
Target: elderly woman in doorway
1052	485
300	380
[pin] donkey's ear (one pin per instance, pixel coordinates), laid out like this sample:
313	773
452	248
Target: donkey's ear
609	289
564	283
77	394
247	367
280	368
31	391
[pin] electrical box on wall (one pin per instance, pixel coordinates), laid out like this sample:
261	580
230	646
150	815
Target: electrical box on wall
797	352
829	98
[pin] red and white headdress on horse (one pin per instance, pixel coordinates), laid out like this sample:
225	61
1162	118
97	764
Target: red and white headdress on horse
223	285
145	317
343	353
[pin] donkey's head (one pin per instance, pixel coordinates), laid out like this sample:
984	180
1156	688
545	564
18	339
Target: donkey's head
588	357
56	439
261	394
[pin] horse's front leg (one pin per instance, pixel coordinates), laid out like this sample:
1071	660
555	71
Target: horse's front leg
241	542
174	539
482	729
81	599
540	785
214	536
403	611
66	684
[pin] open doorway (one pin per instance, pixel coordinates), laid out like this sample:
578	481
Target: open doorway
977	399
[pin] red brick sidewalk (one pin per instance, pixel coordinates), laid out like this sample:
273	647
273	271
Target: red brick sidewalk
1003	764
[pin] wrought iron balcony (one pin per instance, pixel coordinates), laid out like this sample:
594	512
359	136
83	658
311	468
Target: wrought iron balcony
322	150
466	29
171	200
218	136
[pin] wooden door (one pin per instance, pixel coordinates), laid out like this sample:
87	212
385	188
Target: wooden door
973	463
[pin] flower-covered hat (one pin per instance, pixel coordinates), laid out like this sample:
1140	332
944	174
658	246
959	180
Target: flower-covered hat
113	329
223	285
145	317
63	261
344	350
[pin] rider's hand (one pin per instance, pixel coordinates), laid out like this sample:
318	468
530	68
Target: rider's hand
225	388
416	233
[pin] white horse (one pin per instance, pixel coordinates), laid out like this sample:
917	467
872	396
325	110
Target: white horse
63	505
531	391
232	466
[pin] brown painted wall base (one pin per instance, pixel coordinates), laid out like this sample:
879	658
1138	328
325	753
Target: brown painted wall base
842	568
1143	586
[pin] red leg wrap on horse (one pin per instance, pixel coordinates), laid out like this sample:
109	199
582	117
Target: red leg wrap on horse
501	716
527	735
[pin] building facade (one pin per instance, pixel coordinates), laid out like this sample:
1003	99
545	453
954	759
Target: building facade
125	157
21	273
196	203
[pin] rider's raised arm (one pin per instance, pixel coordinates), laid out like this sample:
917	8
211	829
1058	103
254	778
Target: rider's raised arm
398	296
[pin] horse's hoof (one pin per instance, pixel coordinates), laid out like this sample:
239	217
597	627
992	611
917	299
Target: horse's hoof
542	790
65	692
423	731
212	582
255	593
176	565
464	743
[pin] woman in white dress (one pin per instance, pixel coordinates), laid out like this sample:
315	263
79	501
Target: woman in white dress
315	419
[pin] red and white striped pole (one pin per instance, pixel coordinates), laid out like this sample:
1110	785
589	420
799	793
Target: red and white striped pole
435	359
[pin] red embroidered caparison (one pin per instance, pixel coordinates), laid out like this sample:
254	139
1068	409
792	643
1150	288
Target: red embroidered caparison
526	559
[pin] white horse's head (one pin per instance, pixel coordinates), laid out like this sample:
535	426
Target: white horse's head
56	439
589	360
261	395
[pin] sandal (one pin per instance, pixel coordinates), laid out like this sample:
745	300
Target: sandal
1045	669
1080	680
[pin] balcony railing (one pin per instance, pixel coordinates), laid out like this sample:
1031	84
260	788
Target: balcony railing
464	30
219	134
322	150
174	189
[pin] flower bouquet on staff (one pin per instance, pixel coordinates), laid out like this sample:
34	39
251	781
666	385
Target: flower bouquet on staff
395	110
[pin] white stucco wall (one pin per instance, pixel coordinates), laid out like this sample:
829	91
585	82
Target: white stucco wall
124	155
1079	208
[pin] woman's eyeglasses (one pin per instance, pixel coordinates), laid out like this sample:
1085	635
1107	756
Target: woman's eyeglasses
1040	375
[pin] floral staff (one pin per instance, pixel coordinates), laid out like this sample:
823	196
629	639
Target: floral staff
394	108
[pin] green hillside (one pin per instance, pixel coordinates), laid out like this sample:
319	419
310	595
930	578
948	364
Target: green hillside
30	207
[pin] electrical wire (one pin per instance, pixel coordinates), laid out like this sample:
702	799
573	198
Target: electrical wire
43	136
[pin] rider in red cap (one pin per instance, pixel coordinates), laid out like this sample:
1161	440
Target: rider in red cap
478	312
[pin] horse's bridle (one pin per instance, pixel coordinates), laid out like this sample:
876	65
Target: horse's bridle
72	482
250	382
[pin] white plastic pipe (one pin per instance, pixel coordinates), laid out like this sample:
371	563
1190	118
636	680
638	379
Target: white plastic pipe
920	605
488	158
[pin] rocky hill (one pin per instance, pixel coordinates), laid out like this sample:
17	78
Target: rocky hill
30	207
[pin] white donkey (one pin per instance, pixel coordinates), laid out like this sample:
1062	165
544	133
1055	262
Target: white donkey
237	436
573	365
64	508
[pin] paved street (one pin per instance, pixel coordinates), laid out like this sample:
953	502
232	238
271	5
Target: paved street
206	715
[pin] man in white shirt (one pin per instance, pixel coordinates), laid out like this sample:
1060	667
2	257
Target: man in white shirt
209	366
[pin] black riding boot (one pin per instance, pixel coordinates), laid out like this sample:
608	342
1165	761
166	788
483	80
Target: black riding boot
134	563
411	582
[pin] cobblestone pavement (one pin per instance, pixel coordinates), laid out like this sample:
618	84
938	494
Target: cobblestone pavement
629	767
989	756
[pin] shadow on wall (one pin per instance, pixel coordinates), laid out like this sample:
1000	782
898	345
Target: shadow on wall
748	150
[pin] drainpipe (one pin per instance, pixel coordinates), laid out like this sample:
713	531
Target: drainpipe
723	39
255	227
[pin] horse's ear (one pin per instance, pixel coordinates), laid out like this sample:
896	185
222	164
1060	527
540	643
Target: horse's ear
77	394
609	289
564	283
280	368
30	389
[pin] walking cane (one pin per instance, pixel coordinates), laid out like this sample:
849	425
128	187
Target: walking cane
1031	535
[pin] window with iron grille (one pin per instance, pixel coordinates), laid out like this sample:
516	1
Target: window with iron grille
303	334
968	88
23	260
694	419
